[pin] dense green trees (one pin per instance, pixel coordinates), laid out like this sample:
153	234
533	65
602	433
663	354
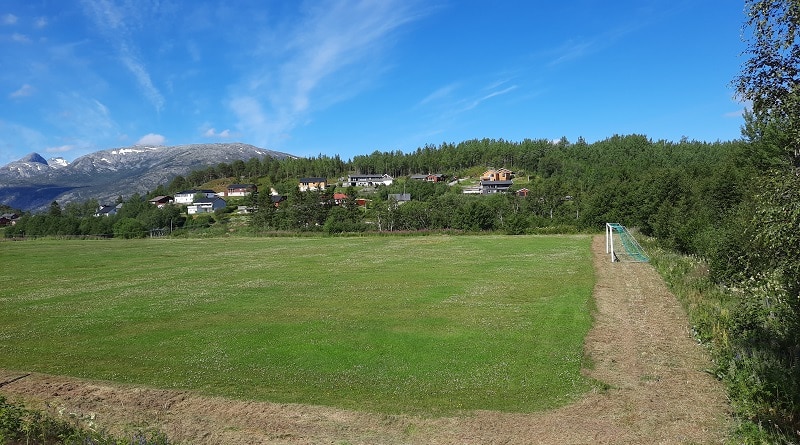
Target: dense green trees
770	78
77	219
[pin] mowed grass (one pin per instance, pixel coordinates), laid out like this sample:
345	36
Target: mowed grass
431	325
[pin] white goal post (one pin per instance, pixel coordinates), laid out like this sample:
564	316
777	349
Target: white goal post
627	247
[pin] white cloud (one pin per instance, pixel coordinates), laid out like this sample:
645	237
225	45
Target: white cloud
112	21
212	133
20	38
328	56
60	149
151	139
24	91
9	19
41	22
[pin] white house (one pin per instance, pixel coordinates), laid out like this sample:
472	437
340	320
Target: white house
187	196
369	180
241	189
108	210
206	205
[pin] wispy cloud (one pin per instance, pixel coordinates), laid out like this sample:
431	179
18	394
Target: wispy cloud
20	38
9	19
490	95
450	104
85	119
330	55
572	50
110	19
581	47
41	22
59	149
14	135
439	94
24	91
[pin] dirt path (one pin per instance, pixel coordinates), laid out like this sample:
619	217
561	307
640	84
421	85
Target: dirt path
640	345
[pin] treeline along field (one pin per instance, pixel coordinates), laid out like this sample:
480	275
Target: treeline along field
391	324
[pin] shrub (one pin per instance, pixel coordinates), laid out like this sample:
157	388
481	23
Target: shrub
129	228
21	425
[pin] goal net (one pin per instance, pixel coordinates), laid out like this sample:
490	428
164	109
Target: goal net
622	246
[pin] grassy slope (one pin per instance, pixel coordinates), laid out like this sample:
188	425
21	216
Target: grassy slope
395	324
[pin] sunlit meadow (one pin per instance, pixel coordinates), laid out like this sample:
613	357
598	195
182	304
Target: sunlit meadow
431	324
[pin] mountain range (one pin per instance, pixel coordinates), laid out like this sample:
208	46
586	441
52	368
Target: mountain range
32	183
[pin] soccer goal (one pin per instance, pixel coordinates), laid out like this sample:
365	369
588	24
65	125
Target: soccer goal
622	245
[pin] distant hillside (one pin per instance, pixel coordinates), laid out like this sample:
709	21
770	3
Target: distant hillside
32	183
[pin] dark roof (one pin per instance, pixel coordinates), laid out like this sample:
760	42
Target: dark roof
277	198
241	186
194	192
209	200
400	196
372	176
310	180
497	182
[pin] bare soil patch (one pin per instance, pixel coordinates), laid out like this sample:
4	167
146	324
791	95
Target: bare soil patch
640	345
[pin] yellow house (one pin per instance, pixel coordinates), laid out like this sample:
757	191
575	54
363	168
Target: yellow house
497	175
312	184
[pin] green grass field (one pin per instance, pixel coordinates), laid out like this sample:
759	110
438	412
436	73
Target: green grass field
431	325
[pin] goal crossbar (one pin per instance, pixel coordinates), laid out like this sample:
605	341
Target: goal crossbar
626	248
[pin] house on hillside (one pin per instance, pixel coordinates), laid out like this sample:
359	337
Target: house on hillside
206	205
161	201
276	200
307	184
399	198
523	192
431	177
187	196
108	210
339	198
489	187
241	190
369	180
497	175
8	219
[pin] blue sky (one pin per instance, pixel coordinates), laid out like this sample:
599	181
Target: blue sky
350	77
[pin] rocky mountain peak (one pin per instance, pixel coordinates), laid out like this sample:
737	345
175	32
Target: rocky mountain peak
32	184
34	157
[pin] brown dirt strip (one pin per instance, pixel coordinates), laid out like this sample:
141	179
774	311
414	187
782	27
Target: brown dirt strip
640	345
